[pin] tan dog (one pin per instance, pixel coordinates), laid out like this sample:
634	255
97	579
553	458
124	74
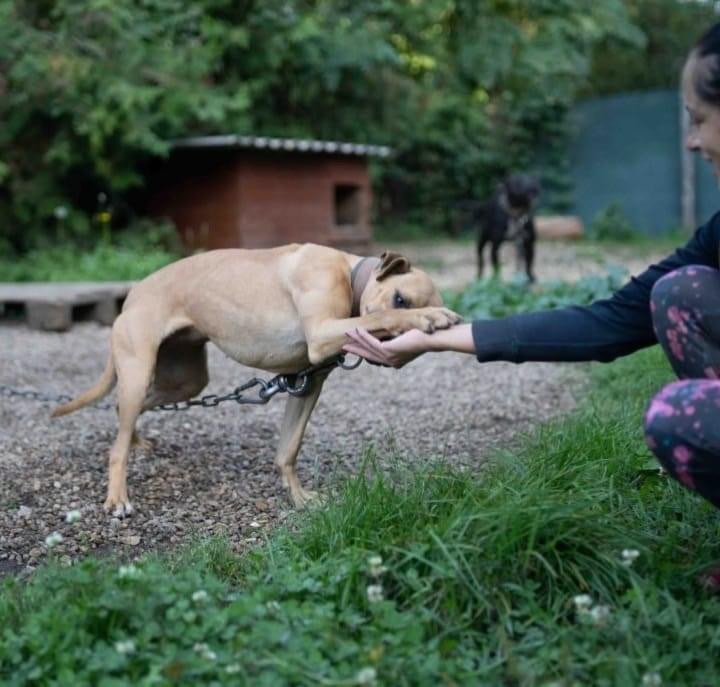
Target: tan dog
280	310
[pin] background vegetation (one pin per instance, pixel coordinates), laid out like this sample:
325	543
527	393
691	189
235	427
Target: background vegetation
463	91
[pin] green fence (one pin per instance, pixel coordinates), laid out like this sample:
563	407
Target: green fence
626	149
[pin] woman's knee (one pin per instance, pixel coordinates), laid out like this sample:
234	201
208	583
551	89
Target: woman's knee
661	419
683	287
666	429
676	428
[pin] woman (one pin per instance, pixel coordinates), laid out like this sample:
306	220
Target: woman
675	303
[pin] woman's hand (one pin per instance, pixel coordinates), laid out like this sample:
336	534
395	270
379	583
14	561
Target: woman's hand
393	352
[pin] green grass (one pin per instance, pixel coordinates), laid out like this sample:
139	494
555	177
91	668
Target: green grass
481	573
126	256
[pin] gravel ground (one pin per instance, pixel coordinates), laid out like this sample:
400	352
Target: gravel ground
452	264
211	470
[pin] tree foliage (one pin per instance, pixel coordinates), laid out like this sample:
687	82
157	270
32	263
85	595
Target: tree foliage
671	27
464	91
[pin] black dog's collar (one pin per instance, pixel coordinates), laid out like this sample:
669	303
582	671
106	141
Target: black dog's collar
359	277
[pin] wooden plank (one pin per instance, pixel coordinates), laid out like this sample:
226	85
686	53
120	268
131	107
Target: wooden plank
559	227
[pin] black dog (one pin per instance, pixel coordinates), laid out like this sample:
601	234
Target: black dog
508	216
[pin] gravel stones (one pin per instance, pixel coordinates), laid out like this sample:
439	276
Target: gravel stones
211	471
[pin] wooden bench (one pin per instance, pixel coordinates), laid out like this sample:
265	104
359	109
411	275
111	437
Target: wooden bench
55	306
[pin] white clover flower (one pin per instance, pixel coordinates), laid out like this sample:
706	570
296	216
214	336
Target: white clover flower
232	669
53	539
73	516
375	593
651	680
200	596
582	602
60	212
599	614
205	651
376	566
125	647
273	606
629	556
366	676
129	572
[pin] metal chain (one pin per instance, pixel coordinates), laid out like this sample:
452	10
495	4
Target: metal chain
297	384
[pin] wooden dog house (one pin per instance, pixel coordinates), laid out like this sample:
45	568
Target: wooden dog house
251	192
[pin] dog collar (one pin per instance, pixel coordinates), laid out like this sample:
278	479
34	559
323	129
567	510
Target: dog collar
359	277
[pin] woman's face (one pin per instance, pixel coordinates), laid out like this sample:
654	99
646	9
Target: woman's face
704	135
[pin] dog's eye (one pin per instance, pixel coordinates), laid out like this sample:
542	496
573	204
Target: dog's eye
399	301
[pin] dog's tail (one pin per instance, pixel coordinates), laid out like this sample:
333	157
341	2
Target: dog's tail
101	388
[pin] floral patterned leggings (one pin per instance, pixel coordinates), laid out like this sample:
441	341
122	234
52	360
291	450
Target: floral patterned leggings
682	422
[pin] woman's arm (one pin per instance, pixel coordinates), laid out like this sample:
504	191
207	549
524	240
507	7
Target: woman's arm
408	346
601	331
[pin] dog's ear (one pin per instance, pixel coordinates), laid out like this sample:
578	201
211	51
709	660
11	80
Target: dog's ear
392	263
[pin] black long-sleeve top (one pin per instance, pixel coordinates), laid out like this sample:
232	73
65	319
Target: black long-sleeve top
602	331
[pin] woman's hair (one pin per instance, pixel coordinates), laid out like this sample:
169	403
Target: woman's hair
706	78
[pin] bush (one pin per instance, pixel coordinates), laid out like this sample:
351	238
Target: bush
128	255
611	224
492	298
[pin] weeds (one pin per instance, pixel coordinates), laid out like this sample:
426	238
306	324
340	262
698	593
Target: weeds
126	256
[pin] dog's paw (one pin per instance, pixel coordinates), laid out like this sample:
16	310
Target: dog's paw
452	316
142	444
118	508
306	498
431	319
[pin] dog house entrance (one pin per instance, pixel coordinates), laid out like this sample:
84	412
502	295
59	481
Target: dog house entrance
347	205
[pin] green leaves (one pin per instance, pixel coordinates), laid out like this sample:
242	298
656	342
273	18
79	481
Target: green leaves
95	88
464	91
489	298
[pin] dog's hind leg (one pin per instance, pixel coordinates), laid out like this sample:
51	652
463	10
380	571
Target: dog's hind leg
495	258
480	249
181	371
297	413
134	353
525	246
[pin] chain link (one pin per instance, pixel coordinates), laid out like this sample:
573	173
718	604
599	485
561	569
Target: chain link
297	384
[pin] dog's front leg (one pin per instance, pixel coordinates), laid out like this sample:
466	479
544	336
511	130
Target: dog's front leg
326	337
297	413
480	249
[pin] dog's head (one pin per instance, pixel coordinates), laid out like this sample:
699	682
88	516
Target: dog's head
394	283
521	191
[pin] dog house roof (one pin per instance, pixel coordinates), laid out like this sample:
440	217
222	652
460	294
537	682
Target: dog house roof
285	144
